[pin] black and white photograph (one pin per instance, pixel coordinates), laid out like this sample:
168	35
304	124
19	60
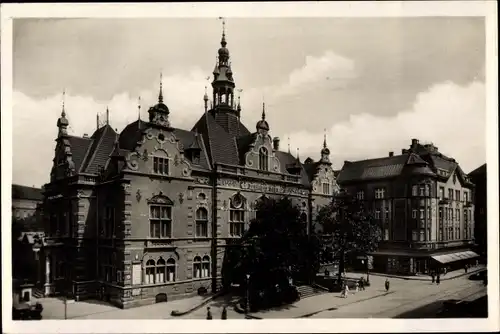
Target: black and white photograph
203	161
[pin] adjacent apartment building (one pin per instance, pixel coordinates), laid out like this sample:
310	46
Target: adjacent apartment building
146	214
424	202
478	177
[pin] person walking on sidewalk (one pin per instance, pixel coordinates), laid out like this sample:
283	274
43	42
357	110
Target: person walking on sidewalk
209	314
361	284
432	277
438	279
357	287
386	285
224	313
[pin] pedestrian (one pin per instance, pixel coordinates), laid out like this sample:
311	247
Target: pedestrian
438	280
386	285
342	292
224	313
445	270
357	287
432	277
346	290
209	314
361	284
465	268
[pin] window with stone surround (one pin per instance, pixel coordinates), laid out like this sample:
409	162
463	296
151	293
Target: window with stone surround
450	194
161	269
160	166
171	270
326	188
149	277
421	190
160	221
457	195
360	195
201	222
201	267
379	193
457	214
466	196
414	190
441	192
237	216
263	159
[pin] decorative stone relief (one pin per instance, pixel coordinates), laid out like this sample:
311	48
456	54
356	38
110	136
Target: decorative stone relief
202	180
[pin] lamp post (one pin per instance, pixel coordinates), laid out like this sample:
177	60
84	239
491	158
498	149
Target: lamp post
65	307
247	306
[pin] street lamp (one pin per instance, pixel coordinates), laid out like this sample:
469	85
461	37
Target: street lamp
247	306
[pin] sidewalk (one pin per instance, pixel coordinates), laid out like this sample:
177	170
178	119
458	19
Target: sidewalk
448	276
312	305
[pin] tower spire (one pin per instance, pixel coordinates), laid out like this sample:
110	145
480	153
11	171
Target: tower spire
298	159
205	99
324	140
223	39
139	108
63	113
288	144
160	95
107	115
263	111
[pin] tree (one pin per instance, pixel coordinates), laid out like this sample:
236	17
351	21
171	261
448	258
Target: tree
347	228
275	249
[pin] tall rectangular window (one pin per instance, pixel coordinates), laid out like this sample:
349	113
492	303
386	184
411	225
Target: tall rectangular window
360	195
326	188
457	214
236	222
377	214
466	196
379	193
421	190
441	192
386	234
450	194
457	195
160	221
414	190
201	222
160	166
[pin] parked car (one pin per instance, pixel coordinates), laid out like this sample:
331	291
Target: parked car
27	311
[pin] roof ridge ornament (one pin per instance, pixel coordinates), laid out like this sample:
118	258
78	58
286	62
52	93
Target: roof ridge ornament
160	95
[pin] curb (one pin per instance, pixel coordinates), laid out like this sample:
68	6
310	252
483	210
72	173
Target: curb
176	313
357	301
425	278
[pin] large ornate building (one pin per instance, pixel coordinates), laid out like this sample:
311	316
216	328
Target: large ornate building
147	213
423	200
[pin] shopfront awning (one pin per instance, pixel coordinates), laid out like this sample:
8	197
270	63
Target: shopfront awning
453	257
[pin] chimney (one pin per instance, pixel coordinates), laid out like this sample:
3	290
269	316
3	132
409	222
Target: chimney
276	143
85	135
391	154
414	143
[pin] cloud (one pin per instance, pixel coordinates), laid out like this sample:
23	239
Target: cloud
451	116
34	120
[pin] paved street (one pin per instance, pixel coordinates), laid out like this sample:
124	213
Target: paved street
404	296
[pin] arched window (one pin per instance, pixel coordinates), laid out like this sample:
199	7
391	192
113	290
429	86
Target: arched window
263	159
170	270
197	267
150	272
205	266
160	271
201	222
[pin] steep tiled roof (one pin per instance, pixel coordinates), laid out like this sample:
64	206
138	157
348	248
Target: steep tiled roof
221	146
243	144
79	148
131	135
286	159
231	124
29	193
98	156
372	168
189	139
311	169
481	170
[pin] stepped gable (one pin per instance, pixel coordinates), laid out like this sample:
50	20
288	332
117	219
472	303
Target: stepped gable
100	150
221	146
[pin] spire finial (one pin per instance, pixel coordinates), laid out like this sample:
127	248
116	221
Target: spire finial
298	159
63	113
107	115
139	108
288	144
223	40
160	95
263	110
324	140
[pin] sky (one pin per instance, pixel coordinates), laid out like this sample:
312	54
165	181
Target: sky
369	84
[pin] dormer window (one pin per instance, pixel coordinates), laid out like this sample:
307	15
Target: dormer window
263	159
